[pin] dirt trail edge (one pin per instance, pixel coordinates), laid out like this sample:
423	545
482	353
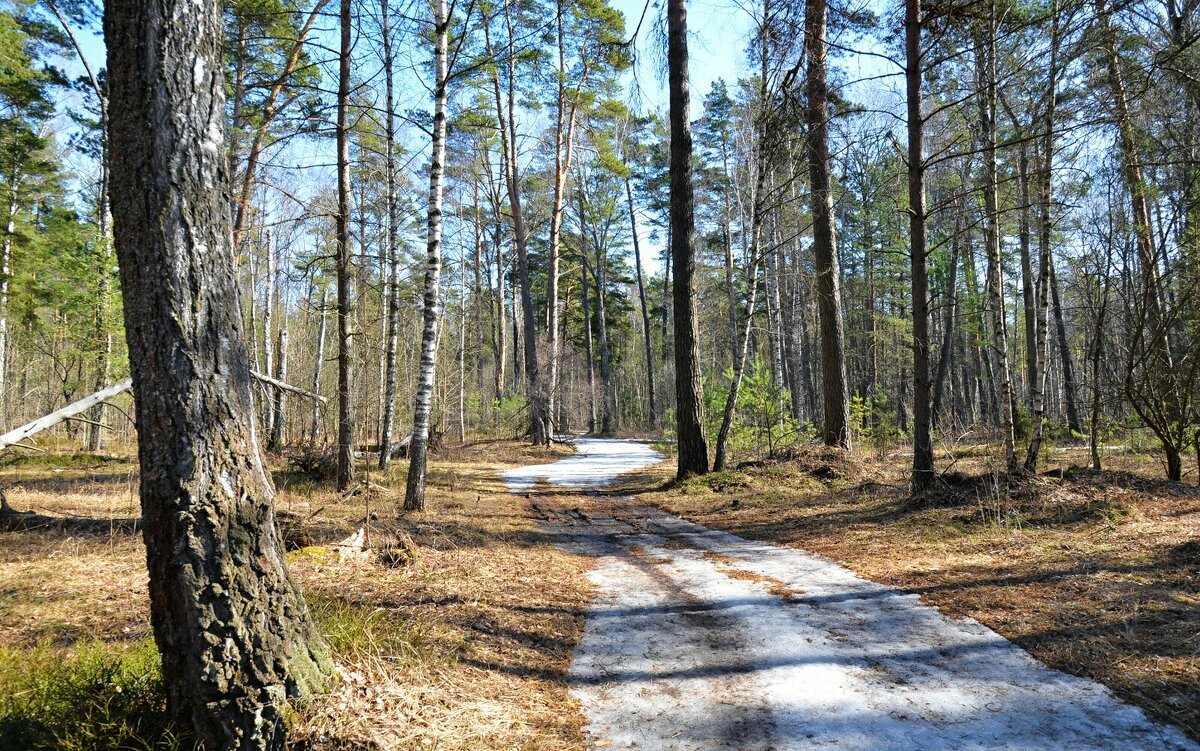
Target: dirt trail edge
701	640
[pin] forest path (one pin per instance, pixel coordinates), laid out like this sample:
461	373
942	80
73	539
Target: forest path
701	640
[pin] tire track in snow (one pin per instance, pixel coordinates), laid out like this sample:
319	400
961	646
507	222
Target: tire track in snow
701	640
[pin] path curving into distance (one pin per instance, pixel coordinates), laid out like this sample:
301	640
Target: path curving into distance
700	640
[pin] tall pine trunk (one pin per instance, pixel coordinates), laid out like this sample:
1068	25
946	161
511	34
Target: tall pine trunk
1029	298
689	409
922	477
345	444
609	417
6	251
539	419
221	597
564	133
501	317
1070	388
835	393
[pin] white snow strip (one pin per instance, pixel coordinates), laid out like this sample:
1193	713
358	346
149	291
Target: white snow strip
702	640
596	463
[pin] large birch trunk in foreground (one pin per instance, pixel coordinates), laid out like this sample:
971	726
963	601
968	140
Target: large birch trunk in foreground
220	593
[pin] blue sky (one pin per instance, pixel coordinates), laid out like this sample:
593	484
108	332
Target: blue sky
718	31
717	34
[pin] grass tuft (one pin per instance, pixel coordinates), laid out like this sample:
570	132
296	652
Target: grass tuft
96	698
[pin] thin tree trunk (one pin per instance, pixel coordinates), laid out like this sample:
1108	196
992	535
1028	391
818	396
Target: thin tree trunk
774	319
1028	280
608	420
6	248
739	366
986	78
279	400
923	475
462	352
1046	262
1096	355
318	365
220	594
564	140
518	344
268	341
478	267
279	417
667	288
755	257
345	450
501	330
539	428
1038	401
689	408
1064	353
944	358
589	354
392	251
730	289
609	417
414	494
641	282
793	345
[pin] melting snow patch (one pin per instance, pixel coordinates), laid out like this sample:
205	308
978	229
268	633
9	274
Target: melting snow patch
597	463
702	640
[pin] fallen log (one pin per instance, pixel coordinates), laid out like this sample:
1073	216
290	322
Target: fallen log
287	387
15	436
74	408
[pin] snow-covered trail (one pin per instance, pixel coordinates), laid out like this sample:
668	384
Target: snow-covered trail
702	640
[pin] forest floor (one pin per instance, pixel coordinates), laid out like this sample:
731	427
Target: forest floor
1093	573
463	646
465	639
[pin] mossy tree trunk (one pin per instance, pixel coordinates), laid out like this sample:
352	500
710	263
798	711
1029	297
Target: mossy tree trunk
235	635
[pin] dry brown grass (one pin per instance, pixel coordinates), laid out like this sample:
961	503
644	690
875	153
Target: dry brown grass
464	648
1094	574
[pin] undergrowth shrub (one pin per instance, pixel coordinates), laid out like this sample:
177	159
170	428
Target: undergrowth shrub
873	423
95	697
762	424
